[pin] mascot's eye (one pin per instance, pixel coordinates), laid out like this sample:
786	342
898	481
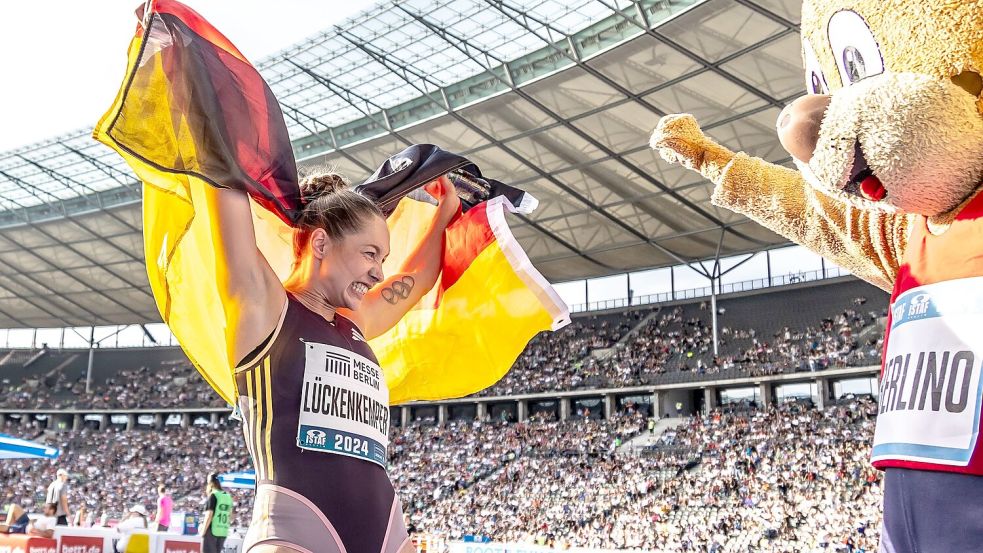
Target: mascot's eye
853	62
815	80
857	53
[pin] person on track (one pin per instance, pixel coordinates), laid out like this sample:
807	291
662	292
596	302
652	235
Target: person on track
218	516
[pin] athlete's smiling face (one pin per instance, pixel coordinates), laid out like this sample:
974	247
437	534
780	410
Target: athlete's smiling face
352	265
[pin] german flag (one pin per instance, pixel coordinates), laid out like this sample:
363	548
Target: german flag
465	334
192	112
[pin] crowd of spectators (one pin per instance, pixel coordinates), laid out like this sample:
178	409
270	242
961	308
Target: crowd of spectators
462	453
834	342
790	479
667	343
637	347
785	479
174	384
114	469
555	360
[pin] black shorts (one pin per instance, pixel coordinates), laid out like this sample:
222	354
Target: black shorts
212	544
931	512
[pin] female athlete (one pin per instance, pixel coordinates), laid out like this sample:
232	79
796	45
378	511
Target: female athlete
313	399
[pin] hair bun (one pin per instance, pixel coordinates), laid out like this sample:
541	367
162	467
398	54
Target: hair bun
322	183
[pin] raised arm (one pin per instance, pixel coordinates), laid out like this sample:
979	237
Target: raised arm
253	295
385	304
868	243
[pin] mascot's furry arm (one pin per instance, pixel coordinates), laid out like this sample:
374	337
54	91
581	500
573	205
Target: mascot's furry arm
868	243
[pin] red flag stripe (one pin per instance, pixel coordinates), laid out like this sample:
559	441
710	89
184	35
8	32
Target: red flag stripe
466	239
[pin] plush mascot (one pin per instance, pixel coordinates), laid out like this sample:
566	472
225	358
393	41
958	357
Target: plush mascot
889	150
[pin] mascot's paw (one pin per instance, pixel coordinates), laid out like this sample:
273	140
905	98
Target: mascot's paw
679	139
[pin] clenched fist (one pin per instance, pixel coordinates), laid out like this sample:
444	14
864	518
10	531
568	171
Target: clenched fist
678	139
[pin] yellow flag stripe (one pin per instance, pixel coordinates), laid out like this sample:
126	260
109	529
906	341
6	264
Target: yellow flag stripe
478	347
482	323
520	264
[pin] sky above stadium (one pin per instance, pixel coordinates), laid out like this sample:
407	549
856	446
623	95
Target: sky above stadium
62	61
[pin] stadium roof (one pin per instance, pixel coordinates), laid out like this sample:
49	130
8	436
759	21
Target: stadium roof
557	97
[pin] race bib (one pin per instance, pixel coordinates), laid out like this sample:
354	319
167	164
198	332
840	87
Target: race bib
344	404
930	389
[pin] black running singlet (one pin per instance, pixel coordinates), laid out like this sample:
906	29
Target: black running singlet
316	418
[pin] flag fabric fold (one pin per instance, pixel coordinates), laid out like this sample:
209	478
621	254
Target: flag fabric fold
192	112
403	175
466	333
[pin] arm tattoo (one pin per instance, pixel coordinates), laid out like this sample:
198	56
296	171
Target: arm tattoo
398	290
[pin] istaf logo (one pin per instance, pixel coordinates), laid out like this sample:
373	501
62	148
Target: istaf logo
316	437
919	305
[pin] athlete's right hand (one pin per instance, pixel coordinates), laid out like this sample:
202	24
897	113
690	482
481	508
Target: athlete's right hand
448	202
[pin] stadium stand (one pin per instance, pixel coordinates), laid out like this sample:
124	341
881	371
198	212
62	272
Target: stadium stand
806	328
122	379
115	469
724	483
799	329
787	479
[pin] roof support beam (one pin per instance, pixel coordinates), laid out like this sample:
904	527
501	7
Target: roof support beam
644	147
295	114
65	272
126	181
148	334
347	96
661	86
140	286
652	90
369	171
749	253
68	181
12	317
522	19
711	66
30	285
405	73
769	14
464	46
614	247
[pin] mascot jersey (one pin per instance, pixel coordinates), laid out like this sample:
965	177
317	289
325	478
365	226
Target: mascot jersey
930	391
